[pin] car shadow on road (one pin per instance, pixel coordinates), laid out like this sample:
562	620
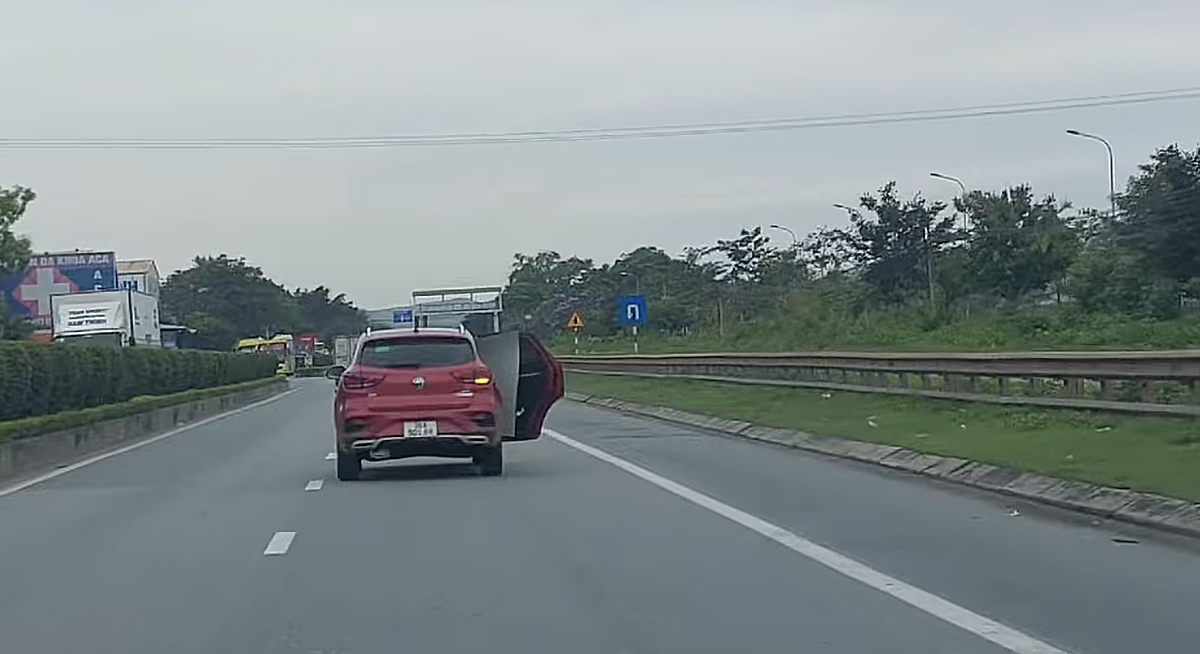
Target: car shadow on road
412	470
417	470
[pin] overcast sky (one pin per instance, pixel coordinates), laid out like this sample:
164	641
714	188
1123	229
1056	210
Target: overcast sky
379	223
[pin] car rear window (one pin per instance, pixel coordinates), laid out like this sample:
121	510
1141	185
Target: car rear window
416	352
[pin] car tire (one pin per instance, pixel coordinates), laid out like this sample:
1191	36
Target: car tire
490	460
348	466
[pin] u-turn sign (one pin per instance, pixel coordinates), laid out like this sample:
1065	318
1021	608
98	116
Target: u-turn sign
631	310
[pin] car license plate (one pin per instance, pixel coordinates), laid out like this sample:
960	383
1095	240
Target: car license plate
422	429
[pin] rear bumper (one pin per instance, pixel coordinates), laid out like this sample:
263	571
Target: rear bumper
398	447
460	432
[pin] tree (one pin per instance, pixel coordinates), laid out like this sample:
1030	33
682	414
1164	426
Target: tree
1017	245
15	251
226	299
897	248
547	288
1159	215
827	252
328	315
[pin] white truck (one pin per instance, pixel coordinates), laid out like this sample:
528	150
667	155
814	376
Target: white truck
342	350
106	318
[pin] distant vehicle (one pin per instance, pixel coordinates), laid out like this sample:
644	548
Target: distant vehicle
283	346
442	393
106	318
343	350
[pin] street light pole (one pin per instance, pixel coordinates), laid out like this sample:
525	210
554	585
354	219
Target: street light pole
850	210
948	178
1112	168
961	186
795	241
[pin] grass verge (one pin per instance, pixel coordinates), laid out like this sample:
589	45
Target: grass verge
29	427
1151	454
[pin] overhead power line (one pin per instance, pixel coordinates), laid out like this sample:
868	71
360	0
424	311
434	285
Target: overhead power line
616	133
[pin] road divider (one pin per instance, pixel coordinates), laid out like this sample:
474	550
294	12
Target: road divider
1156	382
1120	504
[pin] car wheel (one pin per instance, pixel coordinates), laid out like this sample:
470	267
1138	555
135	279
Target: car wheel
348	466
490	460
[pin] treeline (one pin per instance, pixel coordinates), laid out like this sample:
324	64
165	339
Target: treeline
992	269
226	299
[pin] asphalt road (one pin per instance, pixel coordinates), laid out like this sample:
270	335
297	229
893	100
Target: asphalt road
684	543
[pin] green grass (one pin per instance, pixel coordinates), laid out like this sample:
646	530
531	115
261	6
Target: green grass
28	427
900	330
1151	454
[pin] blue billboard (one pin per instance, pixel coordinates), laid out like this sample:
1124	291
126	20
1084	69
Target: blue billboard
27	294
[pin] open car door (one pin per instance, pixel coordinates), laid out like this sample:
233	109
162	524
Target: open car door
529	378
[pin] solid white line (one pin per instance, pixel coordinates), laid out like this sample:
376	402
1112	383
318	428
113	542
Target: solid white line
129	448
315	485
331	456
280	542
965	619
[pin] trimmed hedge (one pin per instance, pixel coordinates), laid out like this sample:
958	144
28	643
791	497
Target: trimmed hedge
38	379
30	427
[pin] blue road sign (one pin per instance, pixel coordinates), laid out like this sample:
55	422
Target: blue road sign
402	317
631	310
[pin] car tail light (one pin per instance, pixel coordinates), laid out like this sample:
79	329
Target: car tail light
359	382
477	377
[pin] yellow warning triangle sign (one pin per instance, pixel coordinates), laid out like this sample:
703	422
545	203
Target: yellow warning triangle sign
576	321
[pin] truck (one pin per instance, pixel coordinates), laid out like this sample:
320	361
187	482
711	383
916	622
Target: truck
478	308
342	350
119	318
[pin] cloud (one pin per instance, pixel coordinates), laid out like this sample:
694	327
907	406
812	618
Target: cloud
378	223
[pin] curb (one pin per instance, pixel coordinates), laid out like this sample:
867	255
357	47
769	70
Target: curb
1120	504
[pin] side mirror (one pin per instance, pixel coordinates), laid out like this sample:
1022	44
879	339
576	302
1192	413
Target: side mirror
334	372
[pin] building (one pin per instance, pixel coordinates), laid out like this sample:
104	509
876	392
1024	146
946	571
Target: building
139	275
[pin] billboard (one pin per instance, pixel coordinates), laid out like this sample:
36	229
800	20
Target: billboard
27	294
90	318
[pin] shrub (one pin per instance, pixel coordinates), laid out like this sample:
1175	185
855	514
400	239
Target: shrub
41	379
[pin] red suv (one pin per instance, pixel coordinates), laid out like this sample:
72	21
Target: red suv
443	393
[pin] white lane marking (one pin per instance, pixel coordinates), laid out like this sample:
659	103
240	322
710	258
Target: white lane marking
129	448
315	485
965	619
280	542
331	456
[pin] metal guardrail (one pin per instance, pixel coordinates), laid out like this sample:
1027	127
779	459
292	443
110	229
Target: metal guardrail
1154	382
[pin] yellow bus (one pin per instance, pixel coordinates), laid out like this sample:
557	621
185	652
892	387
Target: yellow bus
283	346
249	345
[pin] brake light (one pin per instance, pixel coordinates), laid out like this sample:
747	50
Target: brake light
359	382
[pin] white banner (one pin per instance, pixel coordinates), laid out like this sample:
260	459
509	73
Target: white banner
90	318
